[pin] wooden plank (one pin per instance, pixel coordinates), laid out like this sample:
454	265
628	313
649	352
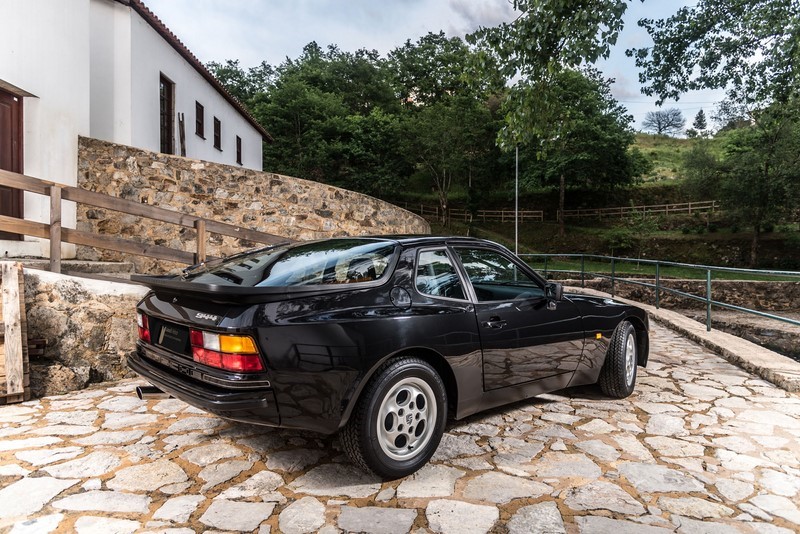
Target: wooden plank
28	183
137	209
158	252
55	229
230	230
99	200
21	226
13	310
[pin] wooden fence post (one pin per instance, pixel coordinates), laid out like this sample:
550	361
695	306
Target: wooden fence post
55	228
200	227
14	360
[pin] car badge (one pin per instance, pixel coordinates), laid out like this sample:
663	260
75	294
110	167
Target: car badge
206	316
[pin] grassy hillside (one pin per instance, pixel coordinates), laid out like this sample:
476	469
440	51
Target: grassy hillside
666	153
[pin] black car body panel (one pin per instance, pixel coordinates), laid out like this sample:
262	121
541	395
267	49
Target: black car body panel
320	344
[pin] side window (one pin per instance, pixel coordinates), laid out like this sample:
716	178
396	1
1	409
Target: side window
495	277
437	277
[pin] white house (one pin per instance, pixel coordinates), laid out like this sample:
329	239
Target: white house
110	70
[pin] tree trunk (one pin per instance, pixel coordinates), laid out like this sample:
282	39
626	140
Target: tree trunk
754	246
561	192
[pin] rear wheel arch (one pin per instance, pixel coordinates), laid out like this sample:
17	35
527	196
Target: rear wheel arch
436	360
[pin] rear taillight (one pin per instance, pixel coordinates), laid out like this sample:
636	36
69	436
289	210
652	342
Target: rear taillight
144	327
223	351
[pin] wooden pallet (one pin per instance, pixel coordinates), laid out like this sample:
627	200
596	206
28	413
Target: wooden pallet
14	358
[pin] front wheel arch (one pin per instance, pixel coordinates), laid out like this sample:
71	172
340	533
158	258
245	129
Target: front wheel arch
642	340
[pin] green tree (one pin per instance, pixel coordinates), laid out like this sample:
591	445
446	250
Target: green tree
664	121
547	37
242	84
589	146
749	47
449	141
701	169
429	70
761	168
700	123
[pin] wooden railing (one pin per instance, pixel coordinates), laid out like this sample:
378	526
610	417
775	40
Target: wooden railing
57	234
652	209
504	215
507	215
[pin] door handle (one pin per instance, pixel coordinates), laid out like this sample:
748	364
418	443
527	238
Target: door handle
494	322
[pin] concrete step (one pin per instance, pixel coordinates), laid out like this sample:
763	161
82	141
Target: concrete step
118	269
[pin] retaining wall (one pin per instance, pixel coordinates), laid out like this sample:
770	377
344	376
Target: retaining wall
89	327
281	205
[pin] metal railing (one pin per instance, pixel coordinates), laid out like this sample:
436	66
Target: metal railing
657	285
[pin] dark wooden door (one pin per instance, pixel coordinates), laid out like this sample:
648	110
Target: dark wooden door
10	155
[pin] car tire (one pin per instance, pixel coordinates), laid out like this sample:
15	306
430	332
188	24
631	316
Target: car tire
399	419
618	375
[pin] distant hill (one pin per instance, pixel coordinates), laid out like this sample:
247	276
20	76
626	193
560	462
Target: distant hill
666	153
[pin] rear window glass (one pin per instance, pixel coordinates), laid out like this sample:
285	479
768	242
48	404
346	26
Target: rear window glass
341	261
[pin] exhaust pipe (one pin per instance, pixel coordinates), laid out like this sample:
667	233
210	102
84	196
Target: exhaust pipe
150	392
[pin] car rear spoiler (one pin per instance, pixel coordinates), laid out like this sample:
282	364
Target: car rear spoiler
173	286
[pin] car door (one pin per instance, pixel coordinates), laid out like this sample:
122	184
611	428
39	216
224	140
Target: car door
524	335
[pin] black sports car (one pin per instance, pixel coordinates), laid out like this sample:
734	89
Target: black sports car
380	338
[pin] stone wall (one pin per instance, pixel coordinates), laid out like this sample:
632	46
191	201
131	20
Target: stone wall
281	205
760	295
89	326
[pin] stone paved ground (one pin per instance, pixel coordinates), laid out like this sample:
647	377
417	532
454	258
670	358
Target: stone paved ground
701	446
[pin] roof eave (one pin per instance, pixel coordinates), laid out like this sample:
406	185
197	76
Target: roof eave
161	28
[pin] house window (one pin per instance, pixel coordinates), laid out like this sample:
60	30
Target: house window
199	120
238	150
217	134
166	97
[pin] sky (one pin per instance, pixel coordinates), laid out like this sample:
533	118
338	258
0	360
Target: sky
253	31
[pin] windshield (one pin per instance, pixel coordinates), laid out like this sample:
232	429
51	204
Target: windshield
338	261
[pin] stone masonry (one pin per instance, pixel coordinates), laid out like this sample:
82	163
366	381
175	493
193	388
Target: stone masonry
89	327
700	447
281	205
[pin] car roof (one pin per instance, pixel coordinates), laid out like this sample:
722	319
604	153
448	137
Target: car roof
421	240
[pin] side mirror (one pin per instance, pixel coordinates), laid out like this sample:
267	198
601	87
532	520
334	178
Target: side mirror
554	291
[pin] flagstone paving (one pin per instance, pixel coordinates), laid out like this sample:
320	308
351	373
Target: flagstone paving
701	446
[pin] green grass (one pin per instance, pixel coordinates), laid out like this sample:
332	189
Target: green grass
667	154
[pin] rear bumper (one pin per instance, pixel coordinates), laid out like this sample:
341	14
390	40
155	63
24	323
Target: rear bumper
252	405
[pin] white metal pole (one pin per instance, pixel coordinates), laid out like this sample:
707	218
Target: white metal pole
516	202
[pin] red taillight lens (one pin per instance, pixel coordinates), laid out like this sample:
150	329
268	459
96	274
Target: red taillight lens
242	363
196	338
144	327
207	357
208	347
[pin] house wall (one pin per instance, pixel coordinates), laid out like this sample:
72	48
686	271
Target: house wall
94	66
44	50
110	81
151	56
